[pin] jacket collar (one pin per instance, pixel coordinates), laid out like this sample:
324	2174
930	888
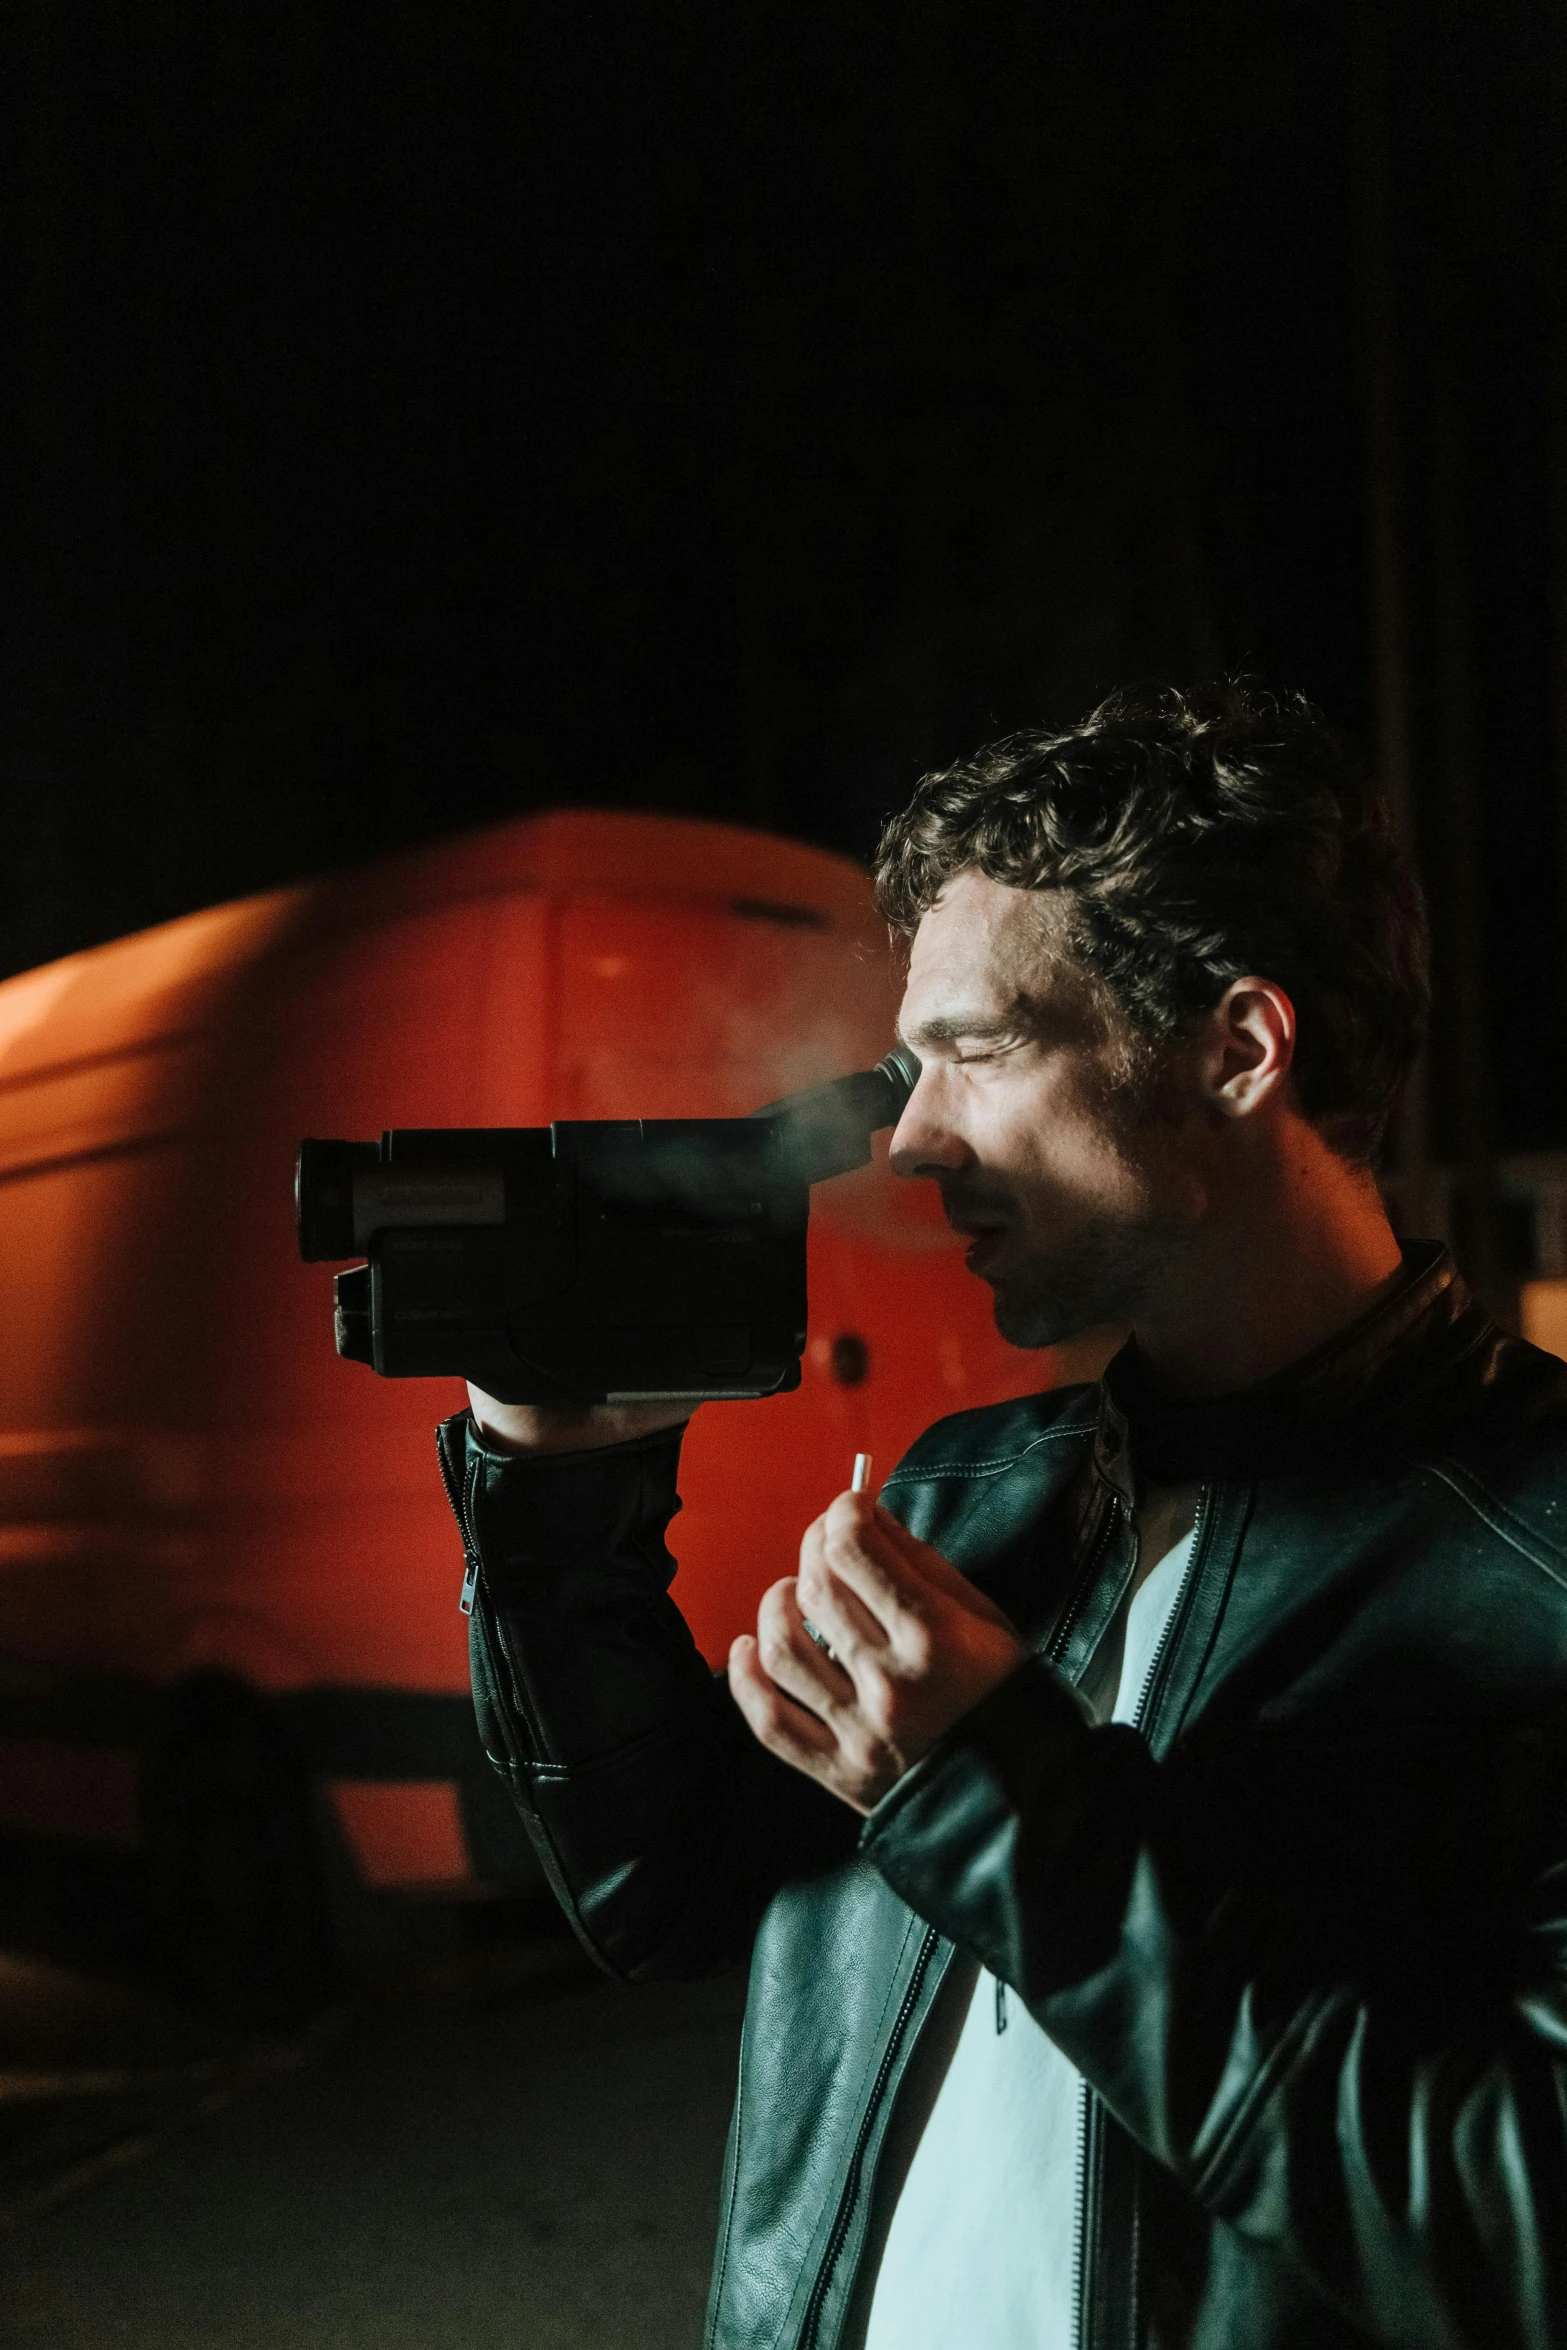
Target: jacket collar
1393	1369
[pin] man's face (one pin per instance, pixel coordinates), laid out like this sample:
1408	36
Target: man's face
1076	1170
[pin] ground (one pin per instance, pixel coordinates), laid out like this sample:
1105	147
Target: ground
505	2151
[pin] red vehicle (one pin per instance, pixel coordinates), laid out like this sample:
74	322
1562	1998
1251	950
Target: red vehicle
230	1644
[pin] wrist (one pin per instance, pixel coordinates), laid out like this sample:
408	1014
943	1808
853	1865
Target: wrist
533	1429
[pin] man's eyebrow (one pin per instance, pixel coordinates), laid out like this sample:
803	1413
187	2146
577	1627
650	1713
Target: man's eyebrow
1044	1020
949	1028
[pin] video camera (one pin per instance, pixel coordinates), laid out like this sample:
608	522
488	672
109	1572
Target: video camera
593	1261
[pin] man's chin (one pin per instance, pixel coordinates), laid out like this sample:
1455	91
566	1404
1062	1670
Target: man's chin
1038	1322
1091	1292
1099	1280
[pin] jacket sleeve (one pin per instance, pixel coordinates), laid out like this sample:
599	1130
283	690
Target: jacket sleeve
1407	2153
664	1828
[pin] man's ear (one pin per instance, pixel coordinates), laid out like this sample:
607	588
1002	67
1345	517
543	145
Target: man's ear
1246	1047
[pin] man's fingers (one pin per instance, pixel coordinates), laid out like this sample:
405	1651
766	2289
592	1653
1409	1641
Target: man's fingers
898	1578
859	1553
937	1570
789	1656
783	1727
839	1614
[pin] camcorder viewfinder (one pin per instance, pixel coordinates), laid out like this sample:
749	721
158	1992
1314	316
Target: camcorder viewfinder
631	1260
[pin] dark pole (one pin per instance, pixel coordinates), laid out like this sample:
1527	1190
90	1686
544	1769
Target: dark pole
1557	453
1551	1212
924	99
1416	1198
761	355
37	886
1460	846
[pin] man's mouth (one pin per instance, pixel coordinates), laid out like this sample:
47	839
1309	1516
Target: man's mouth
983	1250
984	1236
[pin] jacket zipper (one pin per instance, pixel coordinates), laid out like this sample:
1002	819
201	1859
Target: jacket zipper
851	2189
1139	1717
1085	2123
1084	2093
461	1511
1174	1619
1087	1574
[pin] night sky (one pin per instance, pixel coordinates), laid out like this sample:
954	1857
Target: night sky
427	413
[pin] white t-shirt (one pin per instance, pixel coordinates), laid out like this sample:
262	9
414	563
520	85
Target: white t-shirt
982	2242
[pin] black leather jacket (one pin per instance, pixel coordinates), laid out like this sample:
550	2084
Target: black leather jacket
1303	1932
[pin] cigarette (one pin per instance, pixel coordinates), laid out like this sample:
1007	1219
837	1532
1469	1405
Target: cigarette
862	1473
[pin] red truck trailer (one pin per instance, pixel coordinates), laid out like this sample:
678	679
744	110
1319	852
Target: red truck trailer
231	1653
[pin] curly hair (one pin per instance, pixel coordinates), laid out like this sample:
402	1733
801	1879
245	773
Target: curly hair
1195	838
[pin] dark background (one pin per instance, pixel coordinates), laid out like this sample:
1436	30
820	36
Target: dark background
428	413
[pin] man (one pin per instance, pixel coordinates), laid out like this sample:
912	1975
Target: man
1149	1819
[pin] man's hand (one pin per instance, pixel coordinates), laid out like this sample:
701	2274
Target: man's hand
911	1646
553	1427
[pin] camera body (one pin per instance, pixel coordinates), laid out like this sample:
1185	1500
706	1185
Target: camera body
592	1261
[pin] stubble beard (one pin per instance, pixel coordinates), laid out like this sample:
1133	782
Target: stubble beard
1104	1277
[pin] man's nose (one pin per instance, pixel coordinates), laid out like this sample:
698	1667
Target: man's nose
924	1141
